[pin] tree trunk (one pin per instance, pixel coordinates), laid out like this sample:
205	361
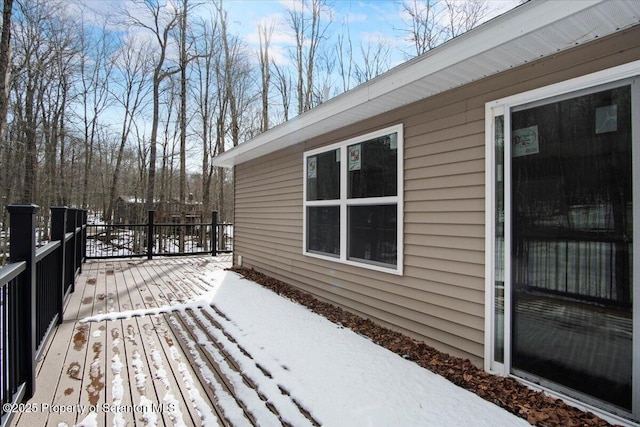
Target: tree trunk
5	54
183	123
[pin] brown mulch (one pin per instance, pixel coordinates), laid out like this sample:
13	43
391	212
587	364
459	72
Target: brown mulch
534	406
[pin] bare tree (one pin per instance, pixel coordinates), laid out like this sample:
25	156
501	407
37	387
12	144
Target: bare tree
205	93
34	56
465	15
433	22
284	86
67	51
164	20
425	31
265	33
95	76
133	66
309	23
297	22
344	56
183	117
57	94
233	73
5	44
235	82
319	10
170	100
375	60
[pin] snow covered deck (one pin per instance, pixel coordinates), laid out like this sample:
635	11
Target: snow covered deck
181	342
125	368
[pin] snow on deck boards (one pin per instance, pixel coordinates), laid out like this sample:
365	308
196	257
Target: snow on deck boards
179	342
127	370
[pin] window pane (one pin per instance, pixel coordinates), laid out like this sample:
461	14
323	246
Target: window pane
323	229
323	176
373	236
373	167
498	349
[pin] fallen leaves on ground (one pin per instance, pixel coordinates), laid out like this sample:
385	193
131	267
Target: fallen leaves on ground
534	406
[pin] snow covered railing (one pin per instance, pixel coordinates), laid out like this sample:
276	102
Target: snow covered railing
177	238
34	286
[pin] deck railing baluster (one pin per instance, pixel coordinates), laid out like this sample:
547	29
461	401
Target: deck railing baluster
32	293
23	248
156	238
58	223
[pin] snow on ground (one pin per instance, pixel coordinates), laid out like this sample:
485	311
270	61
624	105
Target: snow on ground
340	377
344	378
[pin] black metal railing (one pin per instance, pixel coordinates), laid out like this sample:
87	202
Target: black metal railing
34	286
584	266
224	235
158	239
37	281
14	373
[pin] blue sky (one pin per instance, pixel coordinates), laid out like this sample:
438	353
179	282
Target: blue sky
367	20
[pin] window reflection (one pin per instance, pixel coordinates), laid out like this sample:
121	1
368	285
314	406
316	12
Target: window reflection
323	229
373	233
323	176
373	167
572	241
498	350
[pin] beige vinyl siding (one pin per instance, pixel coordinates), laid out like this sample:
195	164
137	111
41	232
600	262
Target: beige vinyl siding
440	297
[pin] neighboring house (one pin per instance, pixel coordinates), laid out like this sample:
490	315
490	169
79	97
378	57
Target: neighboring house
131	210
399	200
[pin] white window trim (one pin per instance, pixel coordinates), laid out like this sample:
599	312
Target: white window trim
343	202
504	107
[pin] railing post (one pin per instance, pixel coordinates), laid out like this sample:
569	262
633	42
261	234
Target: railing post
150	235
85	213
22	239
58	223
214	233
78	236
71	256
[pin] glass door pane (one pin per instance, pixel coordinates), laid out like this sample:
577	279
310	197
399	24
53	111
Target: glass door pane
571	253
498	303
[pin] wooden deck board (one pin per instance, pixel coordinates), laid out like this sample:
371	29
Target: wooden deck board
153	333
77	367
117	355
63	376
175	288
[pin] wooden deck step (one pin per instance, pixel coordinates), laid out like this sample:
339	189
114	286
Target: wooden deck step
229	369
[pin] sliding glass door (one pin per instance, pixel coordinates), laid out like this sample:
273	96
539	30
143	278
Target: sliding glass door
572	242
560	266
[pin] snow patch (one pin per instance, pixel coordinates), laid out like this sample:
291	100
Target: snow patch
175	414
161	373
140	377
340	377
202	407
148	414
90	420
117	390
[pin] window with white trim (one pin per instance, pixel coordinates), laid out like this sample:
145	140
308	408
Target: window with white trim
353	201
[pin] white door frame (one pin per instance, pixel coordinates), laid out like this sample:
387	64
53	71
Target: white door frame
610	77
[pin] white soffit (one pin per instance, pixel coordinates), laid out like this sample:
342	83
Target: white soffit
529	32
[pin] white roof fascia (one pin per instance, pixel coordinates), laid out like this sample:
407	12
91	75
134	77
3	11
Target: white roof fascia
521	20
357	104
